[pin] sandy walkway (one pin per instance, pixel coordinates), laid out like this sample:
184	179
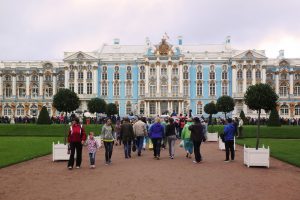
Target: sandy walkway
145	178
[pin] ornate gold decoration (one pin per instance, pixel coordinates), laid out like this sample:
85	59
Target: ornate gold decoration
283	63
164	48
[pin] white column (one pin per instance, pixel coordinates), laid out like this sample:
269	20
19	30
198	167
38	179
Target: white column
158	80
54	83
41	81
277	83
244	80
169	80
76	81
264	75
179	107
14	86
234	83
158	106
66	77
147	68
253	76
27	86
291	83
84	81
1	87
95	81
180	80
169	107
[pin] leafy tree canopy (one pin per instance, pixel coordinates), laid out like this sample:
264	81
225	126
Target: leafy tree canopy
111	109
225	104
97	105
66	100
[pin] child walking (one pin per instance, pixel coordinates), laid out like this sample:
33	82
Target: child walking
92	145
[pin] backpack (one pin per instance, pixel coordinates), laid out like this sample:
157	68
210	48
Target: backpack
71	129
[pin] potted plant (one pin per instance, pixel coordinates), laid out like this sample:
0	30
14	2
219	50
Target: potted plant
211	109
259	97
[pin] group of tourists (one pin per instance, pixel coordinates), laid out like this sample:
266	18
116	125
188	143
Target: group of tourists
134	136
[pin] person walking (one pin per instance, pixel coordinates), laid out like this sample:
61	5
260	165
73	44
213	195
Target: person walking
186	137
229	131
156	133
107	136
197	136
76	139
92	146
139	129
117	133
127	135
171	137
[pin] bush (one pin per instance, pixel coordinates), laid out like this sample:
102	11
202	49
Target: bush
274	119
44	117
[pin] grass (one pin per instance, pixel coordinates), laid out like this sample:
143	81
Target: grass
283	132
54	130
18	149
287	150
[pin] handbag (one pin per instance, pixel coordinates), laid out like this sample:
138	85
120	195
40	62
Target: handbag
133	146
69	149
181	144
222	136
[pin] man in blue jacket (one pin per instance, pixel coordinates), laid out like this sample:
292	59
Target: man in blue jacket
229	131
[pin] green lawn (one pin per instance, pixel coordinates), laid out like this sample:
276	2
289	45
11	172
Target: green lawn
287	150
283	132
18	149
54	130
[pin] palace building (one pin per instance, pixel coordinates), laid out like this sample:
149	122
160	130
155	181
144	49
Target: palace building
150	79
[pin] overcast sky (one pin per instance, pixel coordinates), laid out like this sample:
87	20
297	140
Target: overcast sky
44	29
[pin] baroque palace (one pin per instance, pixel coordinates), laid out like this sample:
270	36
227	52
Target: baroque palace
150	79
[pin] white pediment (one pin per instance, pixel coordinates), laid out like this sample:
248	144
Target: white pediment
249	55
80	56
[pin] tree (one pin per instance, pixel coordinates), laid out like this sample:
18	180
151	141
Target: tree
97	105
210	109
225	104
260	97
274	119
243	117
111	109
44	117
66	101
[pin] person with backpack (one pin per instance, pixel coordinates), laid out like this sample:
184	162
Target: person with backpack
107	135
197	136
76	139
171	136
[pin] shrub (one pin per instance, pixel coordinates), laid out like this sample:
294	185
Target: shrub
274	119
44	117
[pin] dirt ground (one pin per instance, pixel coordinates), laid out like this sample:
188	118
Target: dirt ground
146	178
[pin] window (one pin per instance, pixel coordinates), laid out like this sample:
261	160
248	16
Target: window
20	110
61	86
258	74
117	68
284	110
128	68
240	87
80	75
21	91
71	75
270	76
297	110
297	89
116	89
33	110
175	90
61	77
48	78
283	90
71	86
34	78
163	71
7	78
212	89
142	108
224	75
152	71
89	75
297	76
164	90
21	78
128	89
104	89
116	76
128	76
80	88
7	91
142	68
199	75
249	74
89	88
142	89
185	75
128	108
152	89
174	71
152	108
283	76
224	89
142	75
34	91
199	89
7	110
239	74
212	75
48	91
185	89
199	109
104	76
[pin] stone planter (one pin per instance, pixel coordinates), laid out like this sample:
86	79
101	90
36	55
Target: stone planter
222	144
260	157
212	137
60	152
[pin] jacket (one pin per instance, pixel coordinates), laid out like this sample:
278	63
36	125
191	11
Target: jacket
170	130
139	128
156	131
92	145
186	133
197	133
229	131
76	133
107	133
126	132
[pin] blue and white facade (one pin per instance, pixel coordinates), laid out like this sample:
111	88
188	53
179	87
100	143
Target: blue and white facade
150	79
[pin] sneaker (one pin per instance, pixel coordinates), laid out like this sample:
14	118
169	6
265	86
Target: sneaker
70	167
106	163
77	167
93	166
227	161
172	157
139	154
194	161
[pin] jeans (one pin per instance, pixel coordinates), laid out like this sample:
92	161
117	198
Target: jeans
78	147
92	158
139	144
197	153
108	150
229	145
188	146
127	148
171	142
156	146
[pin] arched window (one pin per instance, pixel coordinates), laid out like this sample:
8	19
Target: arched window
249	74
128	75
224	75
7	78
128	108
61	77
21	78
152	71
142	89
142	108
48	78
164	71
104	89
212	75
34	78
21	91
175	88
199	75
297	110
7	90
116	75
185	72
283	76
199	89
34	91
116	89
89	75
20	110
297	89
48	90
239	74
199	108
224	88
175	71
270	76
7	110
185	88
258	74
61	86
283	90
284	110
152	89
71	75
104	75
33	110
212	89
142	75
80	75
128	89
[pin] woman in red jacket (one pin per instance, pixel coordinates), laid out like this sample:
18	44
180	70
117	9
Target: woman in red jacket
76	139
